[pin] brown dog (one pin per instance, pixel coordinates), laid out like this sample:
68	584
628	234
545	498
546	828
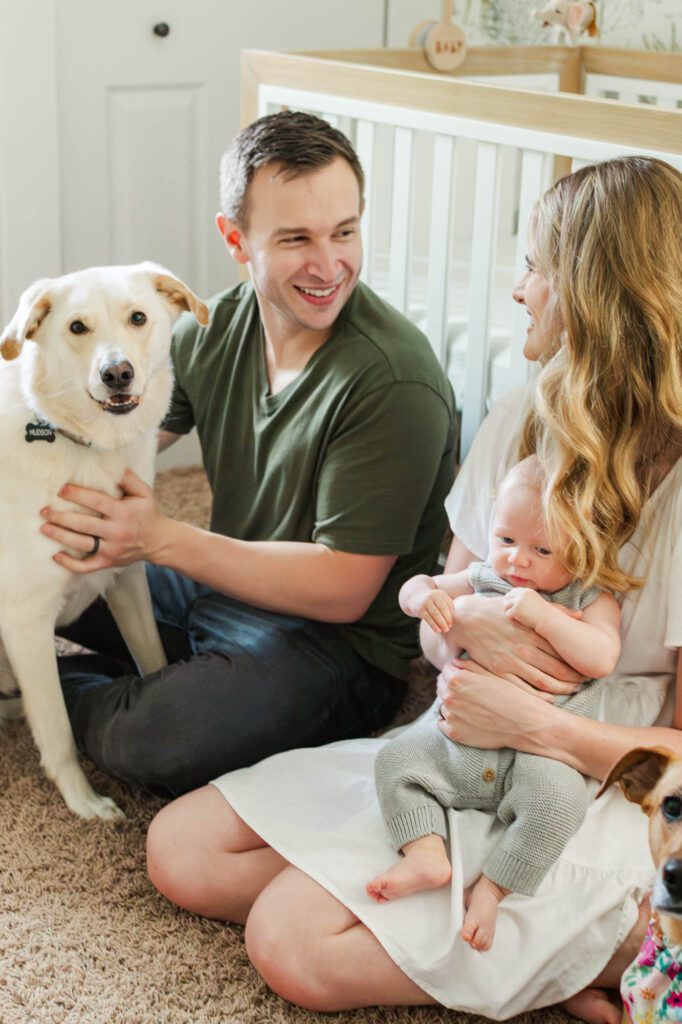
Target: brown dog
652	986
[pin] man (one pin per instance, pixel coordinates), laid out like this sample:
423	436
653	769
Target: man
327	430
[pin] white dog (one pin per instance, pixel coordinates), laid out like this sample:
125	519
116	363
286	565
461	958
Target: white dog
82	403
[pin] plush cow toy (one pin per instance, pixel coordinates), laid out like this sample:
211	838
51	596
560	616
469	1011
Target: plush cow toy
568	20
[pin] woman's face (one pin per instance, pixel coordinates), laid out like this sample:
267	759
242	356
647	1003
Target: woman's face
532	291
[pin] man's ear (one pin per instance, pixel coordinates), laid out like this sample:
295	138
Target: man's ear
638	772
175	292
232	237
34	305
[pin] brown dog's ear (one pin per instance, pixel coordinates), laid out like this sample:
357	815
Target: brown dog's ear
34	305
176	293
638	772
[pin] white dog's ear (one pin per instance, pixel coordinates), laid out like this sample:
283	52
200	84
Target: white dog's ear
176	293
34	305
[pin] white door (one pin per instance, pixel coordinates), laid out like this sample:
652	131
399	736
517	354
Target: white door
148	97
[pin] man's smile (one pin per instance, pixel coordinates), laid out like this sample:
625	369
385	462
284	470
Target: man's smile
319	296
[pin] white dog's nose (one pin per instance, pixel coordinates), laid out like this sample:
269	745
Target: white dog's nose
117	376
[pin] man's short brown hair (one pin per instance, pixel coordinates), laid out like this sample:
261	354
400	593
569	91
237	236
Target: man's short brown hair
300	143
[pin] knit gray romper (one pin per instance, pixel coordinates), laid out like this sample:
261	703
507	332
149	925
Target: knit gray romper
541	801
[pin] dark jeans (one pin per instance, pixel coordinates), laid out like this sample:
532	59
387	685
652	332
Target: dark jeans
241	684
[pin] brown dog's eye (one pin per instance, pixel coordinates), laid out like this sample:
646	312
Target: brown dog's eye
672	808
78	327
138	319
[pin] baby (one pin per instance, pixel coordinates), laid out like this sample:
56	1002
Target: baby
542	802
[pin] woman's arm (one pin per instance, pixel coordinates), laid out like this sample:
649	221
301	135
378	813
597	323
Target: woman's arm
481	710
591	643
677	713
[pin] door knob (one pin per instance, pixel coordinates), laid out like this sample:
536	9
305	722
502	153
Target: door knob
162	29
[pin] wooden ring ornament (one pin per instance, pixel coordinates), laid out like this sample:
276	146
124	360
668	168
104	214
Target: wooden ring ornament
443	42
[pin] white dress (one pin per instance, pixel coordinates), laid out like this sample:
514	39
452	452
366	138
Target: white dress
317	807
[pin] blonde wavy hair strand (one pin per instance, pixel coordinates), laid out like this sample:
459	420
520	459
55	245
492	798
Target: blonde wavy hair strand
608	401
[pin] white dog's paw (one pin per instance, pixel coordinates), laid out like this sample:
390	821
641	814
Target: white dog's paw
81	798
102	807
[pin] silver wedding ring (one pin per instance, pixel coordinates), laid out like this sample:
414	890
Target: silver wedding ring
94	549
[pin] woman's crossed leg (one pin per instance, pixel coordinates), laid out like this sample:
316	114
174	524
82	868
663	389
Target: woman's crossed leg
307	946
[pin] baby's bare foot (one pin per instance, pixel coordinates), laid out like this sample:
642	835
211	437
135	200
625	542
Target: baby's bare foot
425	865
481	902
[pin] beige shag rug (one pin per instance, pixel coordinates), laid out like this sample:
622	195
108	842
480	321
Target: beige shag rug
84	939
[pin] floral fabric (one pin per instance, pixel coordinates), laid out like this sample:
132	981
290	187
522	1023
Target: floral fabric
651	988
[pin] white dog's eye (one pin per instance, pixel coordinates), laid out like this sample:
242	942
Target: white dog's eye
138	318
78	327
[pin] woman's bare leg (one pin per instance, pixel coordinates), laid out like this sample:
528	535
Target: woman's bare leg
593	1004
204	858
314	952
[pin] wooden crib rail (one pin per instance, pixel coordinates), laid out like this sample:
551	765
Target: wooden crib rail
642	128
571	64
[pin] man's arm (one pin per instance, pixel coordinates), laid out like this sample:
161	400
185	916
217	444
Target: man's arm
165	438
590	644
293	578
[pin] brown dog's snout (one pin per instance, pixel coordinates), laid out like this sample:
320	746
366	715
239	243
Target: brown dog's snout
117	376
672	878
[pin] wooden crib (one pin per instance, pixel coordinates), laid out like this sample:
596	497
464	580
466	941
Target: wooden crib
454	164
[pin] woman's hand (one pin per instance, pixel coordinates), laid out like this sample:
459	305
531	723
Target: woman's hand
507	649
483	710
128	528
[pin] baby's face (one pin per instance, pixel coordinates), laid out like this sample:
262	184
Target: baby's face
520	551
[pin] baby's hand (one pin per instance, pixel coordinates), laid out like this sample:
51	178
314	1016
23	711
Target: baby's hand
524	606
437	610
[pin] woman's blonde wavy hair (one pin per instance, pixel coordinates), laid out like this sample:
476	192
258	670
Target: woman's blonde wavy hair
608	401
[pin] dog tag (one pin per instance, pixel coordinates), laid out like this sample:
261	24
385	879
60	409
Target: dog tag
40	432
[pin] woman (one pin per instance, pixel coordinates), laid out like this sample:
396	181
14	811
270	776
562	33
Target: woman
604	292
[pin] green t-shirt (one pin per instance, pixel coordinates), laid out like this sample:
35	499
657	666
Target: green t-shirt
355	453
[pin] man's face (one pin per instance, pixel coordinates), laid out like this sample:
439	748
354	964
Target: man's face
302	241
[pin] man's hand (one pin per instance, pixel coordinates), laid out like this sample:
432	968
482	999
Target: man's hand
129	528
437	611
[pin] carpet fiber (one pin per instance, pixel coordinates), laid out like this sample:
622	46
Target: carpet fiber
84	939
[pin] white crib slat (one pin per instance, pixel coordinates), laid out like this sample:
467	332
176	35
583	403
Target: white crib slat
264	103
439	245
667	102
482	280
400	218
536	175
364	147
627	96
